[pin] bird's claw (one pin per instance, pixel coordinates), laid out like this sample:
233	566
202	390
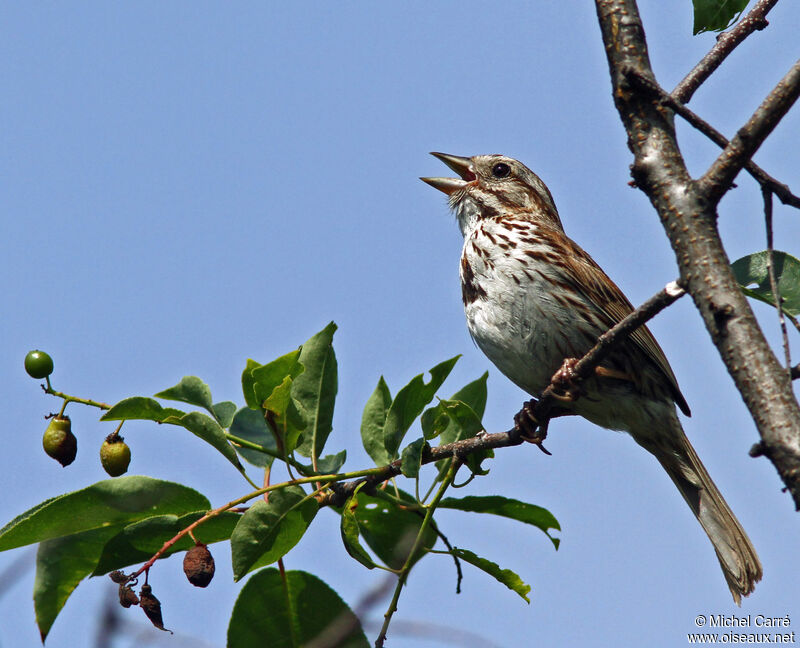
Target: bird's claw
530	429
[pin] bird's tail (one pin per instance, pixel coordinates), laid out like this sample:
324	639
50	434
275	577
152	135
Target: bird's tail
735	552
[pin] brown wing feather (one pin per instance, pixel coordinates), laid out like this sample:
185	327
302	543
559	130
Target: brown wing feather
609	299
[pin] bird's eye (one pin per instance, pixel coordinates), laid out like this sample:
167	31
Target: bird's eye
501	170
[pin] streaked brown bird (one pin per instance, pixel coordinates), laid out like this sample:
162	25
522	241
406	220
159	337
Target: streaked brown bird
534	298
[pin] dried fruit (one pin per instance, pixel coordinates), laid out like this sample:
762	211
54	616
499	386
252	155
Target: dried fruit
119	576
59	442
152	607
38	364
198	565
115	455
127	596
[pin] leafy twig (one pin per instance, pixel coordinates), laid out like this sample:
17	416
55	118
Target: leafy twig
726	43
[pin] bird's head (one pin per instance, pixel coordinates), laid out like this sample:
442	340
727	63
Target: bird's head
493	186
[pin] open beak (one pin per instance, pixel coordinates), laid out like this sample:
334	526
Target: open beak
461	165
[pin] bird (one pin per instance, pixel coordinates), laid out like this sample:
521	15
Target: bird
534	298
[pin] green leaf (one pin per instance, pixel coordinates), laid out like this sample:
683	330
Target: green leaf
350	532
373	421
531	514
118	553
286	615
753	270
330	464
224	412
287	418
434	421
140	408
61	564
120	501
389	530
507	577
266	378
315	390
412	458
716	15
248	385
190	390
267	531
463	412
474	394
208	430
463	423
249	424
258	381
409	403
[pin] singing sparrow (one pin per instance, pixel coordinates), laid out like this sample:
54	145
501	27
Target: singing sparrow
534	298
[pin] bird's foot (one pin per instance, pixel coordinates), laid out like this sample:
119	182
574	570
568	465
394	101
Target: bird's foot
565	382
530	429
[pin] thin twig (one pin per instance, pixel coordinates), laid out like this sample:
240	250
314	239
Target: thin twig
401	579
74	399
773	281
717	180
726	43
640	82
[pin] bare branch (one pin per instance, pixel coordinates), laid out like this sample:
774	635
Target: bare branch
773	281
726	43
687	210
781	190
717	180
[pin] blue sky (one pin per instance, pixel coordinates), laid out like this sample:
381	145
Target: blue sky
185	186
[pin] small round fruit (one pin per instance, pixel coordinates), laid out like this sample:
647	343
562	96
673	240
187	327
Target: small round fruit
115	455
198	565
38	364
59	442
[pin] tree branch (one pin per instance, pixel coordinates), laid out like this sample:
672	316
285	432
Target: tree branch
726	43
781	190
687	210
719	177
773	280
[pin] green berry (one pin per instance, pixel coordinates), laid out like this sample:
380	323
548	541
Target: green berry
59	442
38	364
115	455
